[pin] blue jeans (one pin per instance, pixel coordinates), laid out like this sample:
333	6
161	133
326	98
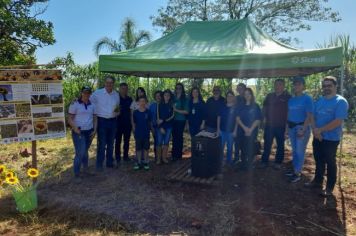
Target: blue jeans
228	139
299	144
155	138
81	143
269	134
106	136
163	139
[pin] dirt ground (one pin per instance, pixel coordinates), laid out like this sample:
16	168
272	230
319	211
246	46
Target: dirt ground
123	201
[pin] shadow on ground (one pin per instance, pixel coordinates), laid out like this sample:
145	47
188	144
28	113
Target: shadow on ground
257	202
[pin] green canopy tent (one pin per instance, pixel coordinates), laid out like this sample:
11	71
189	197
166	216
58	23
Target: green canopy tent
219	49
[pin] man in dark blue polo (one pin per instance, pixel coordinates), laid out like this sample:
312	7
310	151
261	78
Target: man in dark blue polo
124	126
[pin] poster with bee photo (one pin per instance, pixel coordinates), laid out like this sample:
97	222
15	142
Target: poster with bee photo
31	105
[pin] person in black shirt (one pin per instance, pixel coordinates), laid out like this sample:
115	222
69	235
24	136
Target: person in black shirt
165	116
275	109
213	107
123	124
248	119
240	101
196	117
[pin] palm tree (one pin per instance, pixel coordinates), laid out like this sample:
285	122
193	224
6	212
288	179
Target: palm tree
129	39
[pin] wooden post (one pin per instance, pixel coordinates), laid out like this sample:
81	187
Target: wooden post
34	157
34	154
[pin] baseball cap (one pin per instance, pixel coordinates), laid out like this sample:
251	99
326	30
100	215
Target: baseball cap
298	79
86	89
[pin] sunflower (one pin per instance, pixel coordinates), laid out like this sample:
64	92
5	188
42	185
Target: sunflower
2	169
9	174
12	180
32	172
40	125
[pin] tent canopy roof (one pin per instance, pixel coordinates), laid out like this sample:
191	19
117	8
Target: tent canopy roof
216	49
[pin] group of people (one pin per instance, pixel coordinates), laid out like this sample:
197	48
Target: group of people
236	119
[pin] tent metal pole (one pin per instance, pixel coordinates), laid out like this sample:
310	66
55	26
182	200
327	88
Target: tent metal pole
148	85
342	75
342	71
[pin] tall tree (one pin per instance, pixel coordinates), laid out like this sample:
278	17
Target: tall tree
129	38
21	32
276	17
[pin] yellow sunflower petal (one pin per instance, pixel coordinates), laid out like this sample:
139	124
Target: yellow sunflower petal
2	169
9	174
33	173
12	180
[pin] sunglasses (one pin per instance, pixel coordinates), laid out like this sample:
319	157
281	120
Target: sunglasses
327	86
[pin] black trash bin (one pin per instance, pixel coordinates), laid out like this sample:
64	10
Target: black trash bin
206	156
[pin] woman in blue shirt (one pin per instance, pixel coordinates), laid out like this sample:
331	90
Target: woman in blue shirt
227	124
153	111
248	118
165	115
196	117
300	109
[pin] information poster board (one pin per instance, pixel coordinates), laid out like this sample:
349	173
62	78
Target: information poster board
31	105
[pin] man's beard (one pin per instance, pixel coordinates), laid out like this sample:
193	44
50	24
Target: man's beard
327	92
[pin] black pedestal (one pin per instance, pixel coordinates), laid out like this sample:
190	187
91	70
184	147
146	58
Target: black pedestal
206	160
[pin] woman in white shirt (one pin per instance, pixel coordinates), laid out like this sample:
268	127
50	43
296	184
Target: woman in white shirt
83	121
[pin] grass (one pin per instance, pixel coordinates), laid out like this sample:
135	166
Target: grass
221	211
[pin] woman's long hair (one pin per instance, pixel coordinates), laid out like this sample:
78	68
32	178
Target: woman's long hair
253	100
170	99
158	92
142	90
200	98
182	96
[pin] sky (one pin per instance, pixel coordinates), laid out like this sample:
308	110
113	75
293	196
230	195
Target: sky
78	24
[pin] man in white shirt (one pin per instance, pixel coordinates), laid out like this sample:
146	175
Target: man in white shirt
107	104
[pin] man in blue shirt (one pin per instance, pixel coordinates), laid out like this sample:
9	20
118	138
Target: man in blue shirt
123	124
329	112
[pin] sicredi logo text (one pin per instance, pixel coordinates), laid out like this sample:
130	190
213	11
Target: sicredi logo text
303	60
